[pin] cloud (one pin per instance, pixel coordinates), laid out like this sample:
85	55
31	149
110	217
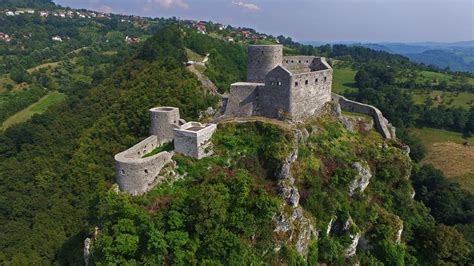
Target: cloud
248	6
106	9
170	3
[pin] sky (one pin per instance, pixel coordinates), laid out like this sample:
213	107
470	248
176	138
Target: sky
316	20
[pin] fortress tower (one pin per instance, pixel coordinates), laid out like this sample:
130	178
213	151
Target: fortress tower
163	121
261	60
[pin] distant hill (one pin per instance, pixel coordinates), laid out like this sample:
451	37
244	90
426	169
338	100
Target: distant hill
26	3
458	56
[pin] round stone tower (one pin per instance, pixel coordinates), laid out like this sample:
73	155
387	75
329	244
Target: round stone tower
262	59
163	121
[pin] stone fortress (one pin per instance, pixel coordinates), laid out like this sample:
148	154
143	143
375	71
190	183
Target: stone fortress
292	88
281	87
138	171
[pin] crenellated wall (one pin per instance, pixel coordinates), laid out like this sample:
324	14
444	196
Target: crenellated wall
135	174
380	122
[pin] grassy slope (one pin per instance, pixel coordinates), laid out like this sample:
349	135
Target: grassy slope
451	99
343	80
39	107
447	152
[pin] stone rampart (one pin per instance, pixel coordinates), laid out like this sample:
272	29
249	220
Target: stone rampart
380	122
193	139
135	174
298	61
242	99
309	93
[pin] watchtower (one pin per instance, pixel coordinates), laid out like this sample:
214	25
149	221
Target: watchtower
163	121
261	60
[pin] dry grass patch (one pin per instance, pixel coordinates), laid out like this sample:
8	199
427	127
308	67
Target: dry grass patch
455	160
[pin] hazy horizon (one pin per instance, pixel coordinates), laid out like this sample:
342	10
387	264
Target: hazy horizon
321	20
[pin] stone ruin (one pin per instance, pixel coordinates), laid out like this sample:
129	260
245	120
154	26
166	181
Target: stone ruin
137	171
279	87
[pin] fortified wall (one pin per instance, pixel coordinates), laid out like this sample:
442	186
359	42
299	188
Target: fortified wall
291	87
138	171
380	122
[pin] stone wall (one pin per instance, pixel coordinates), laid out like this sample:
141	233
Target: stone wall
299	61
381	123
261	60
274	97
137	175
309	92
163	121
193	139
242	99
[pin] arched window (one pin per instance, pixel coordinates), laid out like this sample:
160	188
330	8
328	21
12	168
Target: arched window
325	78
296	84
122	172
146	171
306	82
316	81
279	83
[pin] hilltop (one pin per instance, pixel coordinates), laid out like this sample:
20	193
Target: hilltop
361	197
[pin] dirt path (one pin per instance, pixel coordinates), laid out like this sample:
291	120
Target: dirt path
205	81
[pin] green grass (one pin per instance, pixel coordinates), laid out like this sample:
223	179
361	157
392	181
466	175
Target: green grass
430	136
450	99
39	107
343	80
434	78
193	56
165	147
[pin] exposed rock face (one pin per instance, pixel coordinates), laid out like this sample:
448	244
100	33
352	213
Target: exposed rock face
352	249
293	227
331	222
291	224
354	124
362	179
87	251
287	189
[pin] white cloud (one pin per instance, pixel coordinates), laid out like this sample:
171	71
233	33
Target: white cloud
248	6
170	3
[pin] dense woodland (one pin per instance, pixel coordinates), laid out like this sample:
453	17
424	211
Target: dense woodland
56	170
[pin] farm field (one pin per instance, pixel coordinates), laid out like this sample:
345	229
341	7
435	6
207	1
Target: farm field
39	107
450	99
447	152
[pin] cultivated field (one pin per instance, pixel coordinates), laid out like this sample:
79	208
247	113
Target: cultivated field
447	152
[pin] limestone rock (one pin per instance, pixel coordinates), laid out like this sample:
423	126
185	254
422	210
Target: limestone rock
294	228
352	249
362	179
87	251
331	222
290	194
